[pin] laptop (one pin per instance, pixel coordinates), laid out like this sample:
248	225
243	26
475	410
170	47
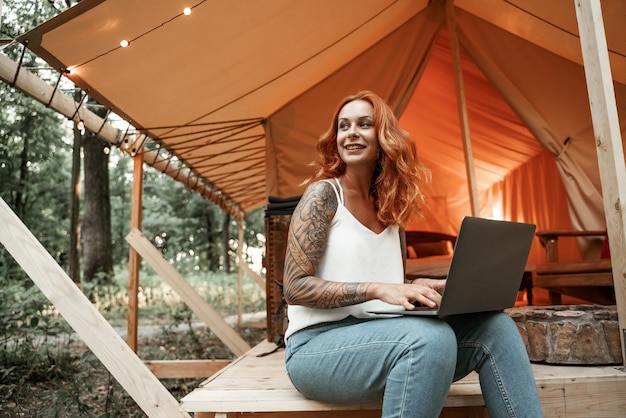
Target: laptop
485	271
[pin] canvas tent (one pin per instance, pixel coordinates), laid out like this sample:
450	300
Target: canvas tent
239	91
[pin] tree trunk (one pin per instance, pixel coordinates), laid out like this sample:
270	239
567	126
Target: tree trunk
19	203
97	246
74	251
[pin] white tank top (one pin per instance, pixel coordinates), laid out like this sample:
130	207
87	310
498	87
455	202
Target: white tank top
354	253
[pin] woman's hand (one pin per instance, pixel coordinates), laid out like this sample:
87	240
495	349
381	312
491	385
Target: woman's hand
424	291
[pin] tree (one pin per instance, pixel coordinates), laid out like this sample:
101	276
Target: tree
34	168
96	229
74	249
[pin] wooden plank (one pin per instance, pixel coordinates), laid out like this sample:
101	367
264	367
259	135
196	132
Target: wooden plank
188	294
579	280
599	266
185	369
608	143
260	385
464	412
583	399
134	259
128	369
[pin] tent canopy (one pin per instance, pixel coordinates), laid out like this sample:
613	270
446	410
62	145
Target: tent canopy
239	91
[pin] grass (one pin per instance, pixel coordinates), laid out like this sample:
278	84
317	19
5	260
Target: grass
45	371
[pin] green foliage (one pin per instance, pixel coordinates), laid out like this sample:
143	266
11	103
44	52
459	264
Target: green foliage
41	365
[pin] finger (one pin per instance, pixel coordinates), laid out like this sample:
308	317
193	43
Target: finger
427	301
439	285
408	305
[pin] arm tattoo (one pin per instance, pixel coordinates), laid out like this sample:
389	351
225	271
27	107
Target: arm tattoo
306	243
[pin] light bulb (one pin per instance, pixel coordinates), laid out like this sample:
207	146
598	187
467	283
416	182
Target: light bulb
124	43
80	125
187	11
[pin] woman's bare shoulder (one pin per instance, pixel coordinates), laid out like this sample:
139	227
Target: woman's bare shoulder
320	194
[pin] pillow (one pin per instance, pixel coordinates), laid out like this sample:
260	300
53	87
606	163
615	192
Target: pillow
425	249
410	252
606	251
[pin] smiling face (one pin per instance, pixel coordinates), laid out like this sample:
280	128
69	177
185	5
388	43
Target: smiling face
357	138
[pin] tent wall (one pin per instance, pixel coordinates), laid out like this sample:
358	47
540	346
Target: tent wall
528	114
391	68
549	93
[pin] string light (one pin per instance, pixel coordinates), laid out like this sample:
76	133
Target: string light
80	125
125	43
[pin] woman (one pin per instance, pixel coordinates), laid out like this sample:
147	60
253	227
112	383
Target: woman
346	255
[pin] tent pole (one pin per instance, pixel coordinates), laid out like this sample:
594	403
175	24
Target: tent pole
462	105
134	259
608	143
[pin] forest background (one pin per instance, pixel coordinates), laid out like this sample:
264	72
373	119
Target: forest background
74	193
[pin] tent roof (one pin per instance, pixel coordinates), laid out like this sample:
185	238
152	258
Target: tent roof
215	87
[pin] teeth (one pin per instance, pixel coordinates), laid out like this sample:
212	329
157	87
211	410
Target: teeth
354	147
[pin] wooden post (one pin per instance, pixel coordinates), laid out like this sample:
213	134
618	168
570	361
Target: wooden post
462	106
608	142
240	239
134	259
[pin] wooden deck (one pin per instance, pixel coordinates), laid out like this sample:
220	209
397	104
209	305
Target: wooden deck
260	385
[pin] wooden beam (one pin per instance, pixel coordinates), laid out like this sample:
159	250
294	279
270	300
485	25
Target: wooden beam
608	143
132	374
188	294
185	369
462	107
40	90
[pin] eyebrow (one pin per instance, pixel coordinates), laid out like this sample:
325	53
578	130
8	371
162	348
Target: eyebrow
359	118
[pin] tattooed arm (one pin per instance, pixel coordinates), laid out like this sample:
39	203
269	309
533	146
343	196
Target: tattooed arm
306	243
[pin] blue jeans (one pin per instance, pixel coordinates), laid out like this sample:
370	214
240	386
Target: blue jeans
410	362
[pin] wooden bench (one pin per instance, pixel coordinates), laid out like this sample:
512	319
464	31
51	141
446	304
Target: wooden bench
588	280
260	386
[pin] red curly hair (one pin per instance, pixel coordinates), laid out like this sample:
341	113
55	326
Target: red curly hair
398	175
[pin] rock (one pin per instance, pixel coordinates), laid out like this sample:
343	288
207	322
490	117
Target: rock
576	334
